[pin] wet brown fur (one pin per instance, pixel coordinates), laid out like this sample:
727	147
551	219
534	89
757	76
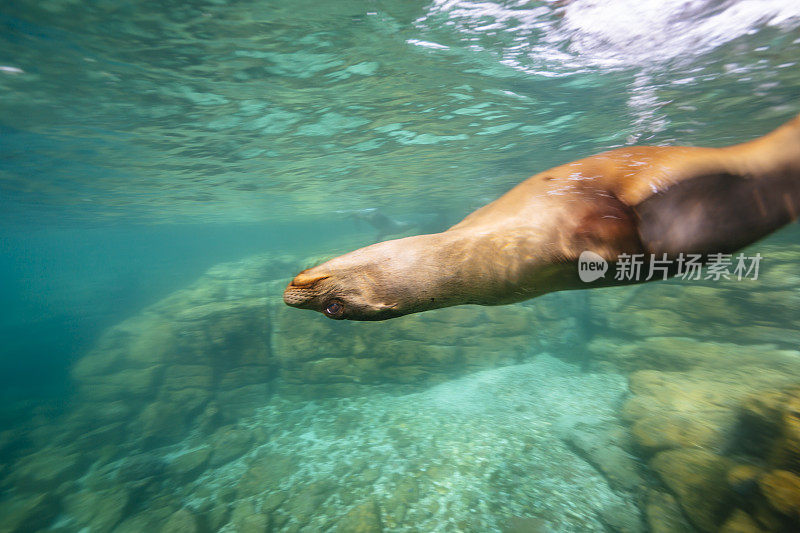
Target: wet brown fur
643	199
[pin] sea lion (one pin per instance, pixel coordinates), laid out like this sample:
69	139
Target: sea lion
636	200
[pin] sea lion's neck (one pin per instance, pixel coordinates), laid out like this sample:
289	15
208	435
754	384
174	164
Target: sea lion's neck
425	271
467	266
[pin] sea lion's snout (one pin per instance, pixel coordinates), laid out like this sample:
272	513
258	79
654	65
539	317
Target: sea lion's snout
294	297
302	289
337	294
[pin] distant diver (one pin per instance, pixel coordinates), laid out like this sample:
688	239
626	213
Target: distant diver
661	202
386	226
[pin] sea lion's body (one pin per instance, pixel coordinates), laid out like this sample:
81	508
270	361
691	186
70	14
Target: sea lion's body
638	200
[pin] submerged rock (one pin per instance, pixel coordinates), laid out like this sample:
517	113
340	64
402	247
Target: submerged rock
146	520
227	343
664	515
622	517
27	513
219	407
606	446
46	469
724	431
229	443
140	468
414	350
782	490
473	452
266	472
526	524
746	312
188	464
246	519
741	522
698	478
182	521
363	518
97	511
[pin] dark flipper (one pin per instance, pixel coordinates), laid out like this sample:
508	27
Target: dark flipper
718	213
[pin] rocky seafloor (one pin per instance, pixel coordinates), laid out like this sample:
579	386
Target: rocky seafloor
661	407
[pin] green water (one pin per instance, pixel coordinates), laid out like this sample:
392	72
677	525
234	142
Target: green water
166	167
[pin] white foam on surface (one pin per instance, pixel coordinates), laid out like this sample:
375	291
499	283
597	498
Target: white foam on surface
608	33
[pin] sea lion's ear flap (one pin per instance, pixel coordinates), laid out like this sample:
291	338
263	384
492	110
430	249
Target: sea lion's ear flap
304	279
717	213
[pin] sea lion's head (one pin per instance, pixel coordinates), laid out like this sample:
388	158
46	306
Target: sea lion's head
382	281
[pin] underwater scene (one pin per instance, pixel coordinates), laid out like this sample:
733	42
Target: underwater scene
169	168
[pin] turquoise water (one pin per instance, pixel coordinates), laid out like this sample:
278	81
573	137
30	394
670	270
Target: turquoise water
166	168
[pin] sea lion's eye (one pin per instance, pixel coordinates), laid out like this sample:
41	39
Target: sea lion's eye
334	309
